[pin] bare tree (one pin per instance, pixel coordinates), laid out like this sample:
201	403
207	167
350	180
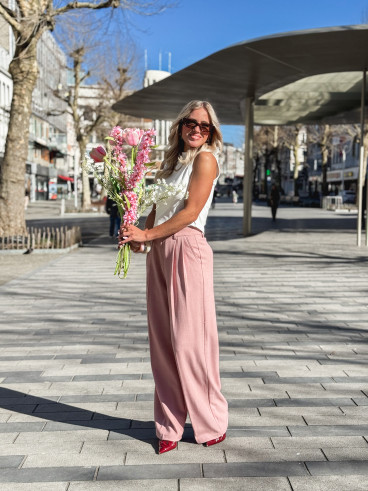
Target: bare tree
289	136
266	150
29	21
325	137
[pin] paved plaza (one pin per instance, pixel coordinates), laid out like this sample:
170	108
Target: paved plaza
76	390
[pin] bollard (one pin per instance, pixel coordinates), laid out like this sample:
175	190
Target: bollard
62	207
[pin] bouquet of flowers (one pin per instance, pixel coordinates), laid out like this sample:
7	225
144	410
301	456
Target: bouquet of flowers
126	160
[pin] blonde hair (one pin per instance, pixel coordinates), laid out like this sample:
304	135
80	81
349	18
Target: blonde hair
176	143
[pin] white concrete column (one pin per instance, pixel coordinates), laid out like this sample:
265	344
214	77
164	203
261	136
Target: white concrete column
361	160
248	167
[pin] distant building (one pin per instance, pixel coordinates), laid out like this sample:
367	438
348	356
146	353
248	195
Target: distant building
6	83
47	164
162	127
47	167
231	162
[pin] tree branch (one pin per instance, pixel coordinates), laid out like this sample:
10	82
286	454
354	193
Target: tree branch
86	5
9	16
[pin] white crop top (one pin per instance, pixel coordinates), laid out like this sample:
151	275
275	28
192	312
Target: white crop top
174	204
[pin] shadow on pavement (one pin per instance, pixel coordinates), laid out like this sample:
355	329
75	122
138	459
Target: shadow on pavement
66	415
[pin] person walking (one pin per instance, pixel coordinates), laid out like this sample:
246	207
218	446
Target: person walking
115	220
274	200
181	312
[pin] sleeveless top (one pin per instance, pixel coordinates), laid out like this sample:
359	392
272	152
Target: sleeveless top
172	205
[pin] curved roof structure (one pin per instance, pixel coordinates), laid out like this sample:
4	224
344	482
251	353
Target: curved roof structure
285	73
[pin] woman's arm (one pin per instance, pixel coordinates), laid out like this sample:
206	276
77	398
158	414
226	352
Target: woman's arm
150	220
149	223
203	174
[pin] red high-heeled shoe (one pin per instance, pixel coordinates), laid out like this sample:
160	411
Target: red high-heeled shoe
215	440
166	446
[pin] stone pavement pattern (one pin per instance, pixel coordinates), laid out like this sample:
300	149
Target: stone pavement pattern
76	388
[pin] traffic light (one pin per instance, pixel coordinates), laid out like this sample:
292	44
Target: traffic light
268	172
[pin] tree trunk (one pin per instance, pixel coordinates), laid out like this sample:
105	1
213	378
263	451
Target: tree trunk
24	72
296	168
86	192
324	172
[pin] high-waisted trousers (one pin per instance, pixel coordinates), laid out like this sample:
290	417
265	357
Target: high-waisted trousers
183	337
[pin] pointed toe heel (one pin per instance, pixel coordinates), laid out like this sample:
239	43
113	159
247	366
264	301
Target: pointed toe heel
215	440
166	446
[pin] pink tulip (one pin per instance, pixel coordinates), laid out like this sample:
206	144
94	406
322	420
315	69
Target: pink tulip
132	136
97	154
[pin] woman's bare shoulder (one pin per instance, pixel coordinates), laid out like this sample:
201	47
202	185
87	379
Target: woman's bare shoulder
205	158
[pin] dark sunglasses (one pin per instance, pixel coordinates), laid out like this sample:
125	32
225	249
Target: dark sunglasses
206	128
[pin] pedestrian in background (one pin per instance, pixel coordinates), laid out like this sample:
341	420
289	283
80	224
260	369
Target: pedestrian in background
26	198
113	210
274	200
180	297
235	197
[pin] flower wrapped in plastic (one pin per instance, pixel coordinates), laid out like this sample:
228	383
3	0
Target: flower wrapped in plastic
126	160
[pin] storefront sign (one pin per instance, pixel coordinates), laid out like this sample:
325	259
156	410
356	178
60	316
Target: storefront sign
334	176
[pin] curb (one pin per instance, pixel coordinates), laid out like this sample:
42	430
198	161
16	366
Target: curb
40	251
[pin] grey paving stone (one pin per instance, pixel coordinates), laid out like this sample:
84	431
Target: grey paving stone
297	380
255	469
340	430
72	416
39	486
257	431
28	357
20	427
98	398
92	361
235	484
140	434
145	397
48	474
341	454
15	379
22	374
10	461
328	483
306	402
351	380
19	408
235	403
274	455
66	436
353	467
132	376
136	485
319	442
360	401
172	471
76	425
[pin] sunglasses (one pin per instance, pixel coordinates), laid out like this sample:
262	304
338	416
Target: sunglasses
205	128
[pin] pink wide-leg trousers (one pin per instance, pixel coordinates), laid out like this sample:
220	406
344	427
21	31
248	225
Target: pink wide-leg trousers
183	337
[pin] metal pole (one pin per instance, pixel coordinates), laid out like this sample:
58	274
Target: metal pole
75	182
361	160
248	167
366	208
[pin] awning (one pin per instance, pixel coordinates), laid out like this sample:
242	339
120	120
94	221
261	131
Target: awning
65	178
285	73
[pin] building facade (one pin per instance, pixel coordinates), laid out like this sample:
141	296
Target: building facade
47	167
47	160
6	83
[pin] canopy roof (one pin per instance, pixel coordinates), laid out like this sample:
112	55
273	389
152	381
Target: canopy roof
294	77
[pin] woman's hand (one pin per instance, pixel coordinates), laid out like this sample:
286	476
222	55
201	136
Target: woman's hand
135	246
132	234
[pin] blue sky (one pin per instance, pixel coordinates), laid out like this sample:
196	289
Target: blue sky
196	28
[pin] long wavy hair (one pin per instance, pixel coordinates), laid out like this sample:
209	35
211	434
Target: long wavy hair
173	155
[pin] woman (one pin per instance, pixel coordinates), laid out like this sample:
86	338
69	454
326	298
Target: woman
180	300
